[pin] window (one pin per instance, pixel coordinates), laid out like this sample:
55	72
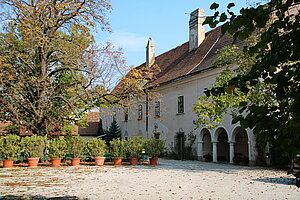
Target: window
157	109
180	104
140	112
126	110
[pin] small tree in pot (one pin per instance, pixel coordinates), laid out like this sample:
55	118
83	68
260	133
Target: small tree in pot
134	149
118	150
33	148
153	148
97	148
9	149
75	146
57	150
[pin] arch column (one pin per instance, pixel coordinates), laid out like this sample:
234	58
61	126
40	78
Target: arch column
231	152
200	150
251	161
215	152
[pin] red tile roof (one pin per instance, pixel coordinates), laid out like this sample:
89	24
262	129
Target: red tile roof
90	130
180	62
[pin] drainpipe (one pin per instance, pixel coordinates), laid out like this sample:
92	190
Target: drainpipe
147	116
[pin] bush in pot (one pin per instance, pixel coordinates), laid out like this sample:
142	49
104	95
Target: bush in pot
134	149
97	148
57	150
9	149
33	148
118	150
75	146
153	148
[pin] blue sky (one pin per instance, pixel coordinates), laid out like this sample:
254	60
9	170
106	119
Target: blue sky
165	21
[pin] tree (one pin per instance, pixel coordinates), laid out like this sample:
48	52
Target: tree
113	132
51	70
276	64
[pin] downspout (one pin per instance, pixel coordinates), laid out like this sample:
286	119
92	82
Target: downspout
147	116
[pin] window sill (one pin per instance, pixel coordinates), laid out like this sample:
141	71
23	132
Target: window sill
180	113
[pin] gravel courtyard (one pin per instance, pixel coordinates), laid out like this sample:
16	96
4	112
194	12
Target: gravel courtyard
169	180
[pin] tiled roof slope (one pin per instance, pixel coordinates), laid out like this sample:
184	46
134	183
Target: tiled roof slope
180	62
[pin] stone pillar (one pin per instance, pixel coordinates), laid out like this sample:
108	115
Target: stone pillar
231	151
200	150
215	152
251	161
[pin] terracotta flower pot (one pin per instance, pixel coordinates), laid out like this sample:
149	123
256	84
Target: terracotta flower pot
154	161
55	162
75	161
117	161
99	160
33	162
133	161
8	163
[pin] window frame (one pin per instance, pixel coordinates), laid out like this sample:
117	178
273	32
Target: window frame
157	109
180	105
140	112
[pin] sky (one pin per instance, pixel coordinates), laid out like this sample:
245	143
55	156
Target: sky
133	22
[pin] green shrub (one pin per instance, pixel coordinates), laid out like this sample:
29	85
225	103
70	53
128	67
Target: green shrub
118	148
75	145
154	147
10	147
57	147
135	147
33	146
97	147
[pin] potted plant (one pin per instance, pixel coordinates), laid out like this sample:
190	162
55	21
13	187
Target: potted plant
97	148
75	146
208	157
57	150
9	149
117	150
134	149
153	148
33	148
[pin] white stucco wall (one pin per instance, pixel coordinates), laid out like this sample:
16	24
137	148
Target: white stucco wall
171	122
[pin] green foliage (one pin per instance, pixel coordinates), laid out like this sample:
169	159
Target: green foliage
33	146
118	148
49	62
75	145
10	147
154	147
113	132
135	147
276	64
57	147
97	147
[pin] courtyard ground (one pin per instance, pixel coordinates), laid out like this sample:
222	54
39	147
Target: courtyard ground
169	180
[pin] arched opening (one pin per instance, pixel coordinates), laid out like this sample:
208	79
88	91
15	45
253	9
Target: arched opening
241	150
222	146
207	147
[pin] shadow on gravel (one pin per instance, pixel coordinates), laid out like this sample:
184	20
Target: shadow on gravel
198	166
284	181
12	197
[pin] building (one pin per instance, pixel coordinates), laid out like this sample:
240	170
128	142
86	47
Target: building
185	72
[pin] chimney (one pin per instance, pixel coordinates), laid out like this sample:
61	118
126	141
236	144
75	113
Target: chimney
150	53
197	31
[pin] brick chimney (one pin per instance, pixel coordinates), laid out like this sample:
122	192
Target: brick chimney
197	31
150	53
